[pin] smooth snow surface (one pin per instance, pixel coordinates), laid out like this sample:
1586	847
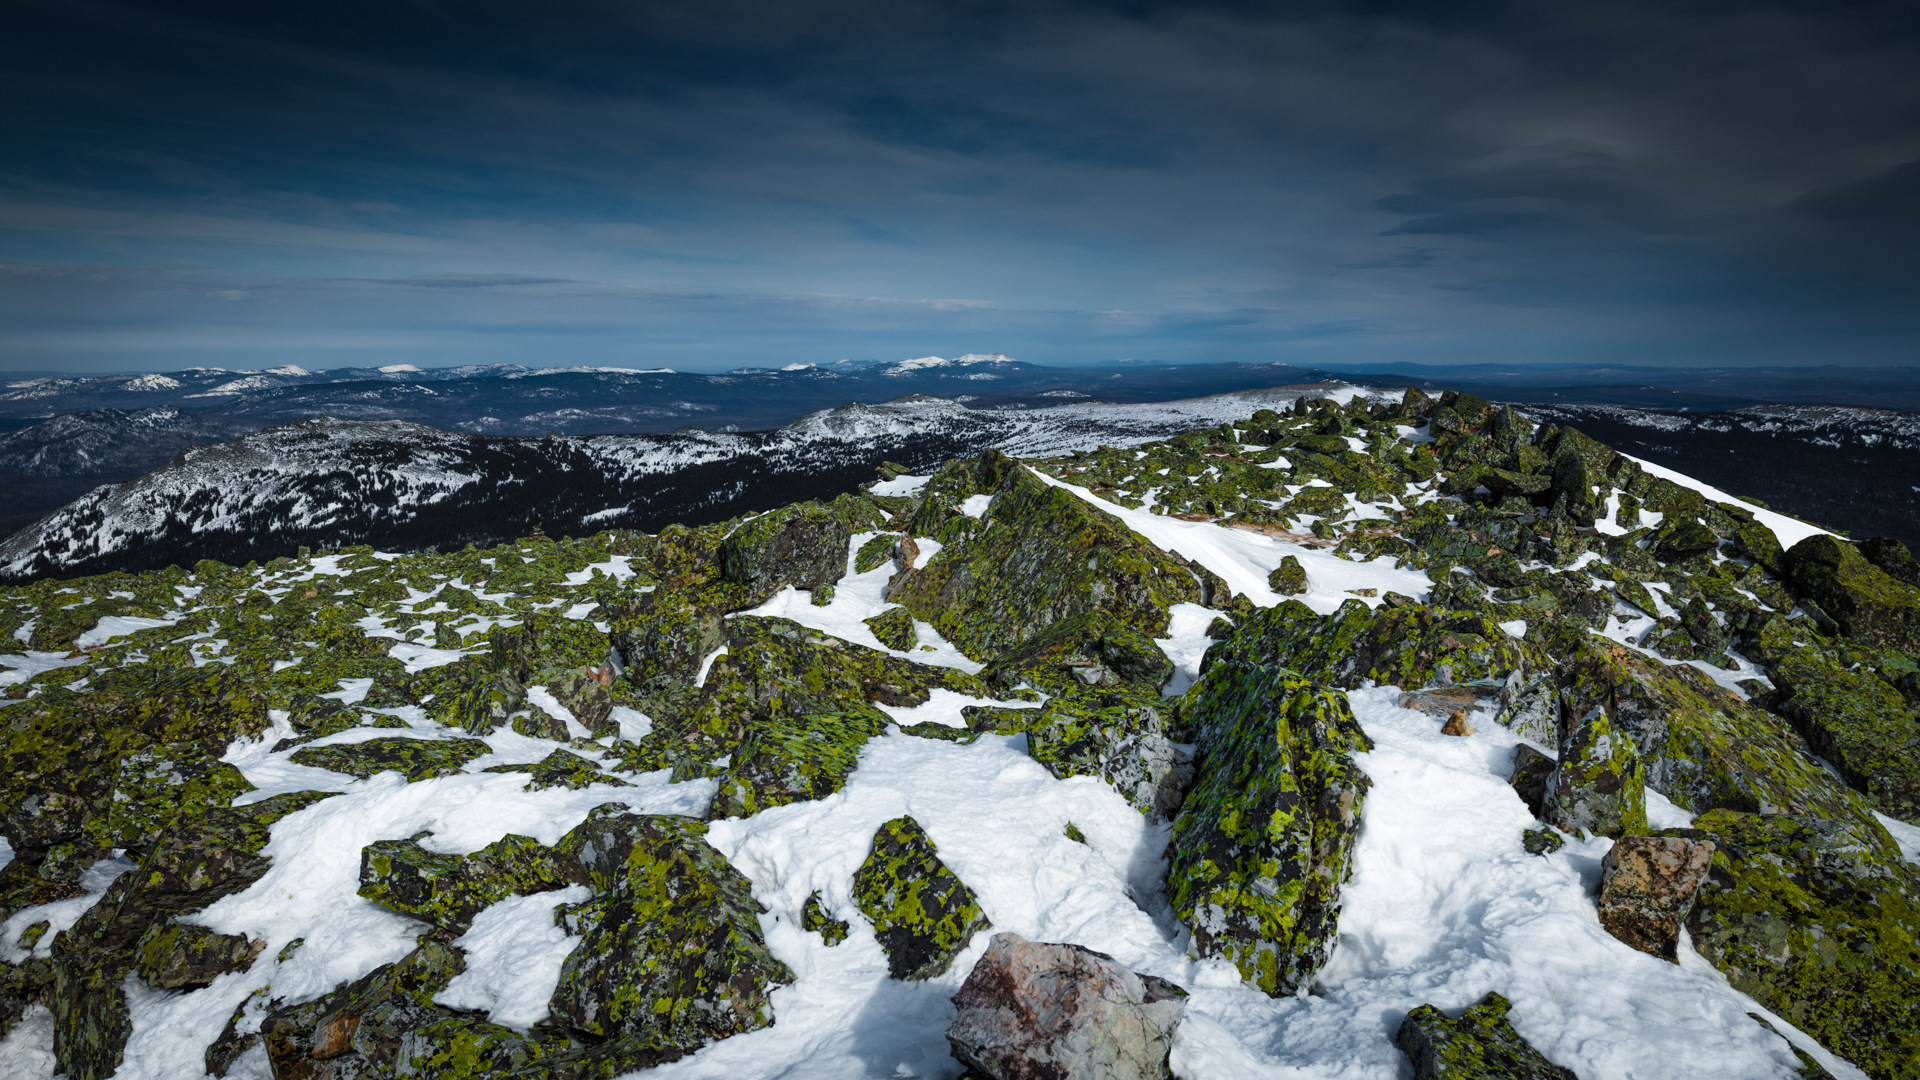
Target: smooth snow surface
27	1051
113	626
514	953
418	658
1907	836
1244	558
900	485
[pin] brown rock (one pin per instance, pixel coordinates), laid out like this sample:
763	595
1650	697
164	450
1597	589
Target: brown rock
909	552
1446	700
1037	1011
1457	724
1647	888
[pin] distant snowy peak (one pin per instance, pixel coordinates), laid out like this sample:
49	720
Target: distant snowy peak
927	363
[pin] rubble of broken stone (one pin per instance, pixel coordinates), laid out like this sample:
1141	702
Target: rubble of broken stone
1770	693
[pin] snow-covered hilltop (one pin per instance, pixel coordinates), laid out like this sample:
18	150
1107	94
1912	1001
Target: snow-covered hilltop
335	483
1335	736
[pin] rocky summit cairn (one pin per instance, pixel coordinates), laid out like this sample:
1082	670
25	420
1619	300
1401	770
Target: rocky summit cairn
1481	1045
1037	1011
1646	889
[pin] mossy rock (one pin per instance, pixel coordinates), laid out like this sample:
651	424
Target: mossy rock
357	1030
1289	578
1819	929
1857	721
814	917
1124	744
922	913
784	761
876	552
545	644
155	785
1704	748
663	638
449	890
894	628
1092	649
1870	605
1266	836
58	763
803	545
173	955
1481	1045
1040	556
587	693
676	957
1599	786
1405	646
1892	556
417	759
562	769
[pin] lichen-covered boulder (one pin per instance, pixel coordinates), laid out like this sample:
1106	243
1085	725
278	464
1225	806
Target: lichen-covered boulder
1266	836
1817	927
1646	889
154	785
783	761
417	759
1289	578
357	1030
674	955
58	764
1870	605
1039	555
173	955
804	545
894	628
1481	1045
1092	649
815	917
480	706
1856	720
564	769
922	913
1599	786
449	890
587	693
194	861
876	552
1031	1009
1892	556
1410	647
1124	744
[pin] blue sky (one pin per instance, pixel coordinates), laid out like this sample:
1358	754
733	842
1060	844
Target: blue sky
721	183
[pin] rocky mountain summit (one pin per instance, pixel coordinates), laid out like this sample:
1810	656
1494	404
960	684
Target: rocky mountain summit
1372	736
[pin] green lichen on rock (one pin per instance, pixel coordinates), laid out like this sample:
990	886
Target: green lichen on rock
1266	836
449	890
814	917
1818	928
417	759
922	913
1124	743
1481	1045
173	955
803	545
1289	578
1092	649
1858	721
1040	555
876	552
1402	646
154	785
894	628
1869	604
562	769
783	761
1599	786
674	956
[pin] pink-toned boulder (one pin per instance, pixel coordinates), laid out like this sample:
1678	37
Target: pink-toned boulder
1647	887
1036	1011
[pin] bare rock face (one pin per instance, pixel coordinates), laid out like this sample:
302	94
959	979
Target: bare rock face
1037	1011
1647	889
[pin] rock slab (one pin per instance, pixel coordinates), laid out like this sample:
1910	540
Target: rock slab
1033	1010
1647	889
1481	1045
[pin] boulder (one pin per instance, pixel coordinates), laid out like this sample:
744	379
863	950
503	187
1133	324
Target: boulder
587	693
672	955
1266	836
894	628
815	917
1818	927
784	761
1030	1010
1407	646
922	913
1598	786
173	955
1646	889
803	545
1481	1045
1892	556
1532	777
155	785
1125	745
1092	649
876	552
1857	721
562	769
418	759
449	890
1870	605
1289	578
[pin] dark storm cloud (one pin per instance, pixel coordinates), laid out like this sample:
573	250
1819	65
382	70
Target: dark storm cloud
733	182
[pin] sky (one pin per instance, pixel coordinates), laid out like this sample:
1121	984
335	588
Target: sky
738	182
